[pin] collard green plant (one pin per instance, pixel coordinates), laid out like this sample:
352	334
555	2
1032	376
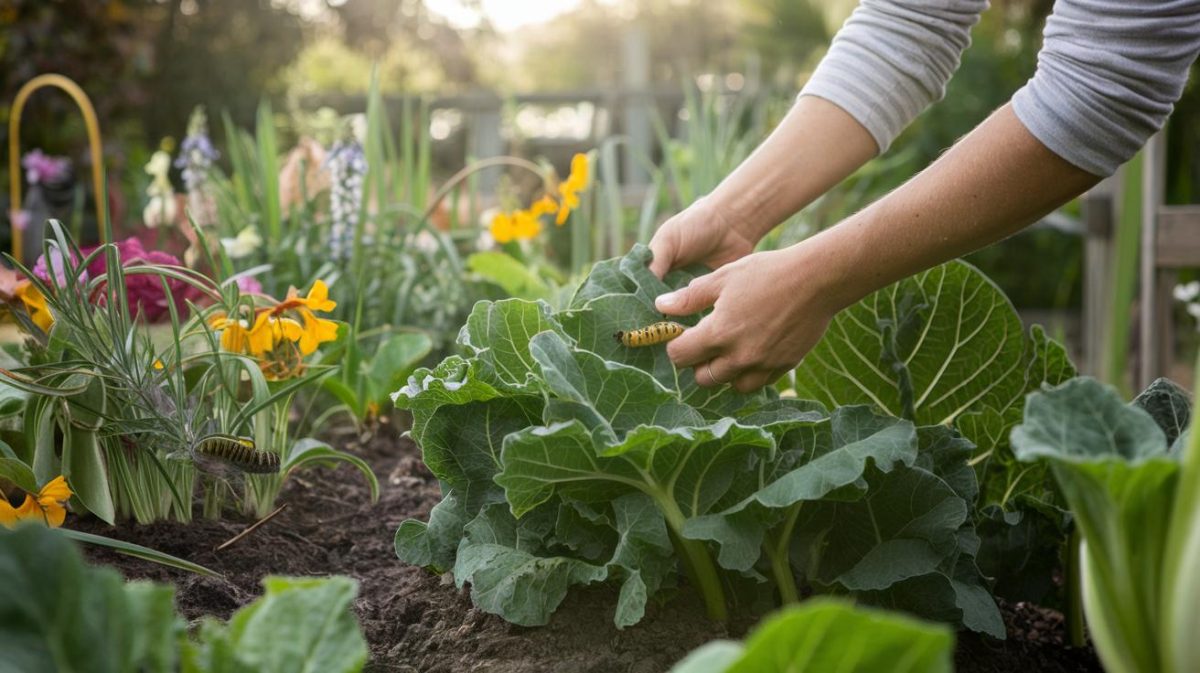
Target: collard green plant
569	459
946	347
830	635
59	614
1135	496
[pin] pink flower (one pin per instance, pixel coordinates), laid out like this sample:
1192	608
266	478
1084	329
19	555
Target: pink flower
41	168
249	285
144	292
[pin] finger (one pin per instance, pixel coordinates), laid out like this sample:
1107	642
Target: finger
660	263
698	295
752	380
714	373
696	344
662	250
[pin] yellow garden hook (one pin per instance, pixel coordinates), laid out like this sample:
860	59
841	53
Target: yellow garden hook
14	148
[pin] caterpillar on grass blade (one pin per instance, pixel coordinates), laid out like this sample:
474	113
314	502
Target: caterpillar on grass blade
238	452
658	333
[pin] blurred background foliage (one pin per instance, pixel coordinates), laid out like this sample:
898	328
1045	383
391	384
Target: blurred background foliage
148	63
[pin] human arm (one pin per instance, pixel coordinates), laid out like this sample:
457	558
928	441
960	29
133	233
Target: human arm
770	309
1108	76
889	62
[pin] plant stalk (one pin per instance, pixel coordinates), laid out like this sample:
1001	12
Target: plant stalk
1076	629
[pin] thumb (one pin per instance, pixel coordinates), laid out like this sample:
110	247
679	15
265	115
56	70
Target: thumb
700	294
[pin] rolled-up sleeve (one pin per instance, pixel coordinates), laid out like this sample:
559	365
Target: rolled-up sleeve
1109	73
892	59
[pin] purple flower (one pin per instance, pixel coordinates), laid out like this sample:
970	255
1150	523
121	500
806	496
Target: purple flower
348	168
41	168
144	292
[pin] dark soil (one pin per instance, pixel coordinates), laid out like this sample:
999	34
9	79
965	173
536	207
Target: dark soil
418	622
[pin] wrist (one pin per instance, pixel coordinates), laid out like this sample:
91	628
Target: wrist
832	267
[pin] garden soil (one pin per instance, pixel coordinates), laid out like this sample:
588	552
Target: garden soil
416	622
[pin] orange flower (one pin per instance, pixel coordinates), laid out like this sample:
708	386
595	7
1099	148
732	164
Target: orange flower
47	506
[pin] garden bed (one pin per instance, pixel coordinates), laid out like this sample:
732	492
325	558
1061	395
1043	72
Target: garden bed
415	621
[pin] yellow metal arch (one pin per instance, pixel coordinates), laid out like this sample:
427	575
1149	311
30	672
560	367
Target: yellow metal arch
14	147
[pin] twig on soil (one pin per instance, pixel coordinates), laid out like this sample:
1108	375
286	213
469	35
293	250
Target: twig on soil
253	527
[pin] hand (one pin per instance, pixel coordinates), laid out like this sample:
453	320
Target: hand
769	310
701	234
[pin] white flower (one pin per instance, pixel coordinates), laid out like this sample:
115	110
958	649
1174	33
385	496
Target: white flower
1187	291
426	242
244	244
159	211
159	165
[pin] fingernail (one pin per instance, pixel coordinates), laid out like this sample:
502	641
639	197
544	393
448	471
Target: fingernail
667	300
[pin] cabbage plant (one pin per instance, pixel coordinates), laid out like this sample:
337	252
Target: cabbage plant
1131	474
568	459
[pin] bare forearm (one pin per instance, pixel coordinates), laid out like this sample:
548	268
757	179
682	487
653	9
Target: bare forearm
991	184
815	147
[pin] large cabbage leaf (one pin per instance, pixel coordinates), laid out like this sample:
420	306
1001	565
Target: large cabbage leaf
946	347
568	459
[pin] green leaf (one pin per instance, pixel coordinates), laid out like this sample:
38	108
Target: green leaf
61	615
313	451
836	452
395	360
137	551
497	556
962	347
432	545
830	635
299	624
1169	405
19	474
686	470
514	277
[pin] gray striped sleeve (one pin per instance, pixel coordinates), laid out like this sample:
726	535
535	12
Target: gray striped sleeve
892	59
1109	74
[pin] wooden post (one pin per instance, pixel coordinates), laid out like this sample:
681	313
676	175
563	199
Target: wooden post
1150	357
1099	208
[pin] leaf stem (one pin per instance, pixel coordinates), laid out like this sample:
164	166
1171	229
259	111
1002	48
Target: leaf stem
696	560
777	550
1076	633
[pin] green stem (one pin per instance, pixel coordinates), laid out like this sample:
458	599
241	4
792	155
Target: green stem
781	566
1076	632
696	560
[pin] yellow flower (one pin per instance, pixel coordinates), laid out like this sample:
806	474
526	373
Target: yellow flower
315	331
569	189
35	305
158	364
47	506
543	206
503	229
526	225
235	335
317	300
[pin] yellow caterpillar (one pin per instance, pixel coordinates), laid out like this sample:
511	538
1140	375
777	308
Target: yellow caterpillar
659	332
239	452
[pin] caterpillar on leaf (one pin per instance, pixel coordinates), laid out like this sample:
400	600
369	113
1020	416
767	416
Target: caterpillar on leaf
658	333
